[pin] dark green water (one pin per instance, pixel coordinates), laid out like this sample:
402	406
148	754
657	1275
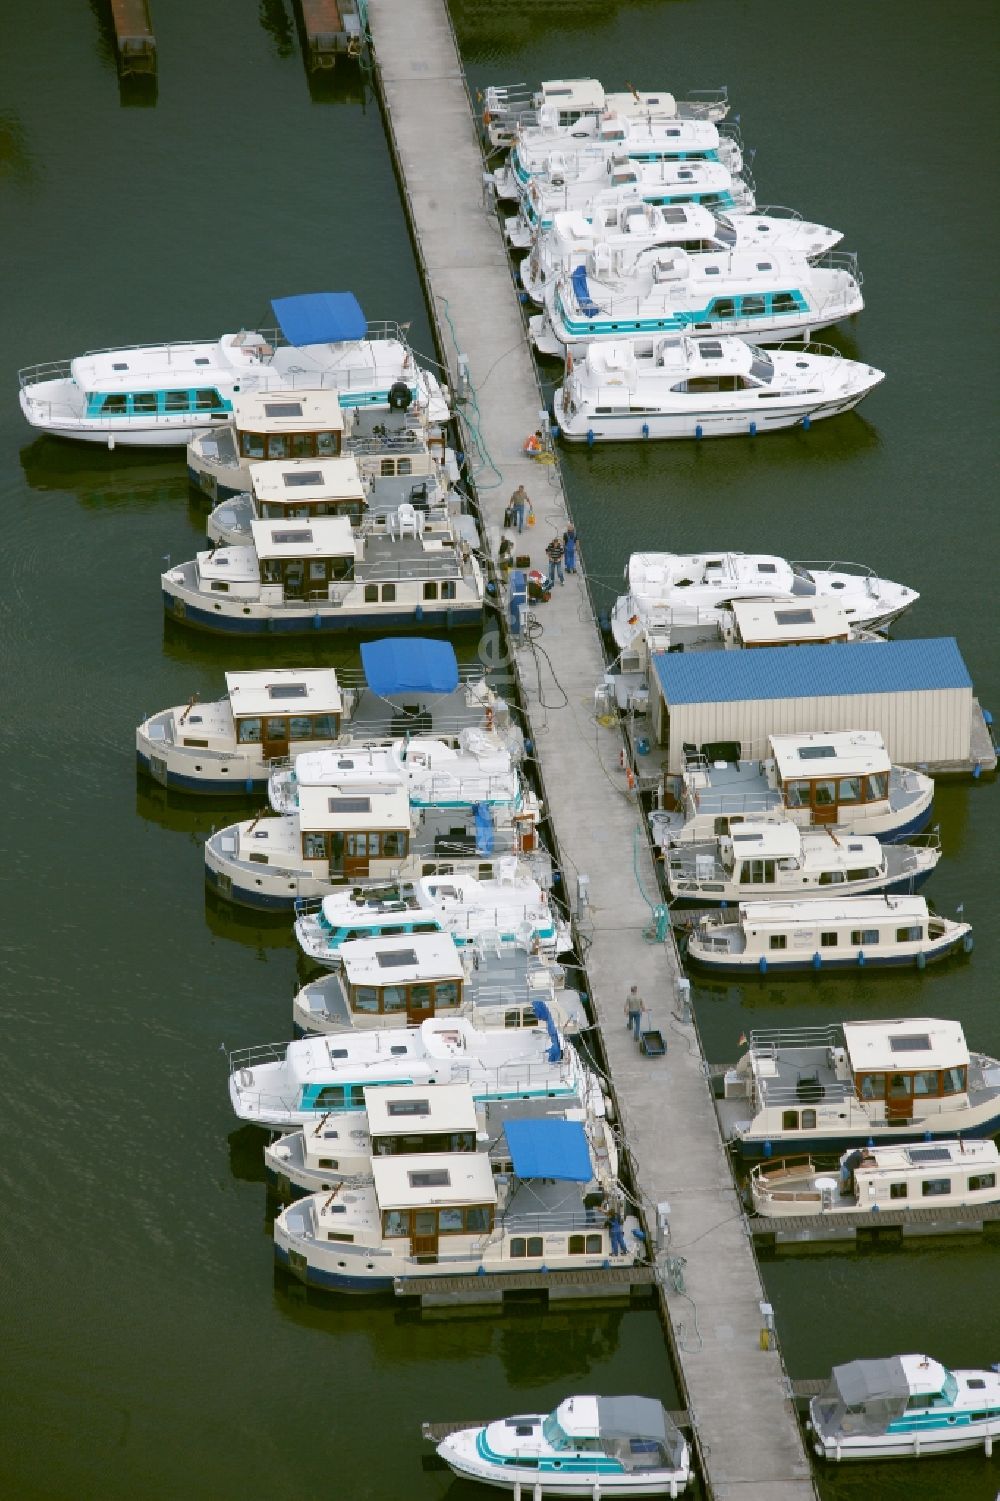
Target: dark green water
147	1350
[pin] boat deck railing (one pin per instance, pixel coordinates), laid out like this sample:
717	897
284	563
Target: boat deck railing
554	1223
767	1041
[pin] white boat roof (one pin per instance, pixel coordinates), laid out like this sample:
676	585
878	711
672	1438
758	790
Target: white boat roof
287	411
281	690
291	481
152	367
319	537
351	807
236	564
401	959
461	1178
837	753
911	1044
657	572
899	1157
771	622
577	1417
751	840
812	914
574	93
416	1107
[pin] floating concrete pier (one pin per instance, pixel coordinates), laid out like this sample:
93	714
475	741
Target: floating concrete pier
733	1382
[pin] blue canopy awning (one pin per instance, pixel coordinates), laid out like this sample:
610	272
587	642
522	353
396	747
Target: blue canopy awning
401	664
588	307
549	1148
320	318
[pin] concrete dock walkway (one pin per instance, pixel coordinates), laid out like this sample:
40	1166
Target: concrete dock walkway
747	1434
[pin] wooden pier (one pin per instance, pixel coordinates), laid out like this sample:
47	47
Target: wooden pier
498	1288
134	38
732	1378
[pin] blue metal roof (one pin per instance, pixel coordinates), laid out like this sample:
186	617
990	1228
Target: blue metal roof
836	668
549	1148
320	318
403	664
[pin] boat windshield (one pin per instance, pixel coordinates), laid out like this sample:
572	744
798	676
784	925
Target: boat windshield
803	583
761	366
553	1434
725	231
949	1390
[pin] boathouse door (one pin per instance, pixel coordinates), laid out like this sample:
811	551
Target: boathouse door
424	1233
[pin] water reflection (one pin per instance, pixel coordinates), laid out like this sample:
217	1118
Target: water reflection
124	478
254	930
246	1154
275	20
16	162
183	814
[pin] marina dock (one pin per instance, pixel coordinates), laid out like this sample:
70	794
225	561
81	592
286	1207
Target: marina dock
732	1377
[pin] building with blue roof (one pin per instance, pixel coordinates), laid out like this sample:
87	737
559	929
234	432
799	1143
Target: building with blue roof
917	694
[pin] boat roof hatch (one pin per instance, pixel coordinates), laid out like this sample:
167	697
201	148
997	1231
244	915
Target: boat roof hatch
319	537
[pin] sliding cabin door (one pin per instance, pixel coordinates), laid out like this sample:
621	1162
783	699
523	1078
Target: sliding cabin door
424	1233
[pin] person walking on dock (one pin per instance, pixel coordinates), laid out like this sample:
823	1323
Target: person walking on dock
519	504
634	1009
554	553
569	547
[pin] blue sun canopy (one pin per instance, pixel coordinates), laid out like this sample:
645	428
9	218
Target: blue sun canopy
320	318
549	1148
401	664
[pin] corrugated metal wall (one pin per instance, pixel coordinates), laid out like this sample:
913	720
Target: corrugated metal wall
934	725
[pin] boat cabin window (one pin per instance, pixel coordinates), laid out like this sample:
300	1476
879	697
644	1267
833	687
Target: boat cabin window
829	940
778	941
526	1245
979	1181
953	1080
935	1188
722	307
864	937
586	1245
432	1141
831	878
877	786
757	872
791	1120
423	997
898	1190
207	399
477	1219
519	1018
909	935
176	401
784	302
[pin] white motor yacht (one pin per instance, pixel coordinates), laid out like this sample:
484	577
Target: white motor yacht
777	861
770	297
838	933
904	1407
505	108
829	1089
283	1086
510	908
587	1447
398	571
658	583
161	395
934	1175
490	980
613	229
554	1210
703	388
549	149
708	183
843	779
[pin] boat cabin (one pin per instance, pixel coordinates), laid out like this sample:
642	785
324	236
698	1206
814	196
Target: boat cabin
424	1201
904	1067
410	976
300	560
411	1119
300	489
831	775
288	425
283	709
348	827
121	382
771	623
879	929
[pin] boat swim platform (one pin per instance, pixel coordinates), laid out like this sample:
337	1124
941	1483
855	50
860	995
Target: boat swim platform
746	1435
867	1227
500	1288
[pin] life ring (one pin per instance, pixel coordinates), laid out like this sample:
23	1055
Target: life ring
400	396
